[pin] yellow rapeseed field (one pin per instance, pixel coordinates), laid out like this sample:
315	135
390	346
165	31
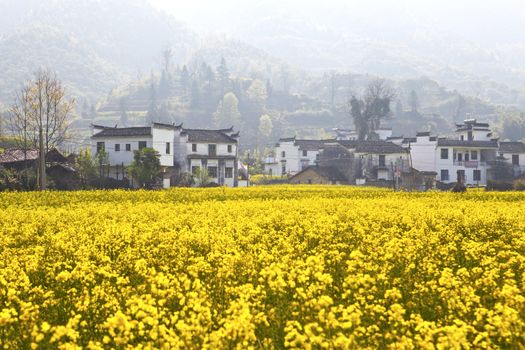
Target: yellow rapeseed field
263	268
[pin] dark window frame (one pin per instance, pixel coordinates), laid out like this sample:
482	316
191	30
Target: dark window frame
382	160
444	153
515	159
476	175
444	175
143	144
228	173
168	147
128	147
212	149
117	147
213	171
230	148
194	147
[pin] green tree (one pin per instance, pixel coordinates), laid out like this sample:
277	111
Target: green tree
227	113
145	167
257	92
86	168
369	111
201	177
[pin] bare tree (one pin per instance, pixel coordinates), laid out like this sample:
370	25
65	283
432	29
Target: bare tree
40	116
371	109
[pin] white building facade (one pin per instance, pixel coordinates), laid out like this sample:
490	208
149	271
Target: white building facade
292	155
215	151
180	150
467	155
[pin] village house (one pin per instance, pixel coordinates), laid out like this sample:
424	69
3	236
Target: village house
58	167
514	154
119	144
319	175
292	155
216	151
467	156
181	150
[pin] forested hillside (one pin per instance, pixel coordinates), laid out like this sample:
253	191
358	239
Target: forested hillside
127	63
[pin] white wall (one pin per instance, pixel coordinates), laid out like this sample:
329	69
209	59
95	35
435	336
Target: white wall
122	156
161	136
423	154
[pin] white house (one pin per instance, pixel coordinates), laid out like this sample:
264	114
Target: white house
180	149
119	144
514	153
214	150
380	160
292	155
467	154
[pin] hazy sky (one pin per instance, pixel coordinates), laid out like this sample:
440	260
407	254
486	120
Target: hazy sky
480	20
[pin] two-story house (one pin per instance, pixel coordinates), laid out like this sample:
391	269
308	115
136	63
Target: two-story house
119	144
378	160
216	151
292	155
466	155
180	150
513	153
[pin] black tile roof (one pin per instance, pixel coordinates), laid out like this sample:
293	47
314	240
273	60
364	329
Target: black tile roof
423	133
214	136
311	145
378	147
328	172
124	132
466	143
512	147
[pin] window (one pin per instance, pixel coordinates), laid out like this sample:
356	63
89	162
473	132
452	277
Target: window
470	136
382	160
168	148
466	157
212	171
462	137
461	175
305	153
515	159
142	144
128	147
474	155
228	173
283	154
117	147
212	150
283	169
477	175
444	175
230	148
194	147
460	157
444	153
101	147
195	169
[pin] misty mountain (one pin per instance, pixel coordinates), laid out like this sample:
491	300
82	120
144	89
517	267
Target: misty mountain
478	50
92	45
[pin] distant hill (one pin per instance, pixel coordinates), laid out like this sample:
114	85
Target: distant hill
92	45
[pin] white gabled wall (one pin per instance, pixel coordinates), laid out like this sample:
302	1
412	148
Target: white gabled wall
122	156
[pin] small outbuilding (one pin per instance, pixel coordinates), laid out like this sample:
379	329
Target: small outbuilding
319	175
